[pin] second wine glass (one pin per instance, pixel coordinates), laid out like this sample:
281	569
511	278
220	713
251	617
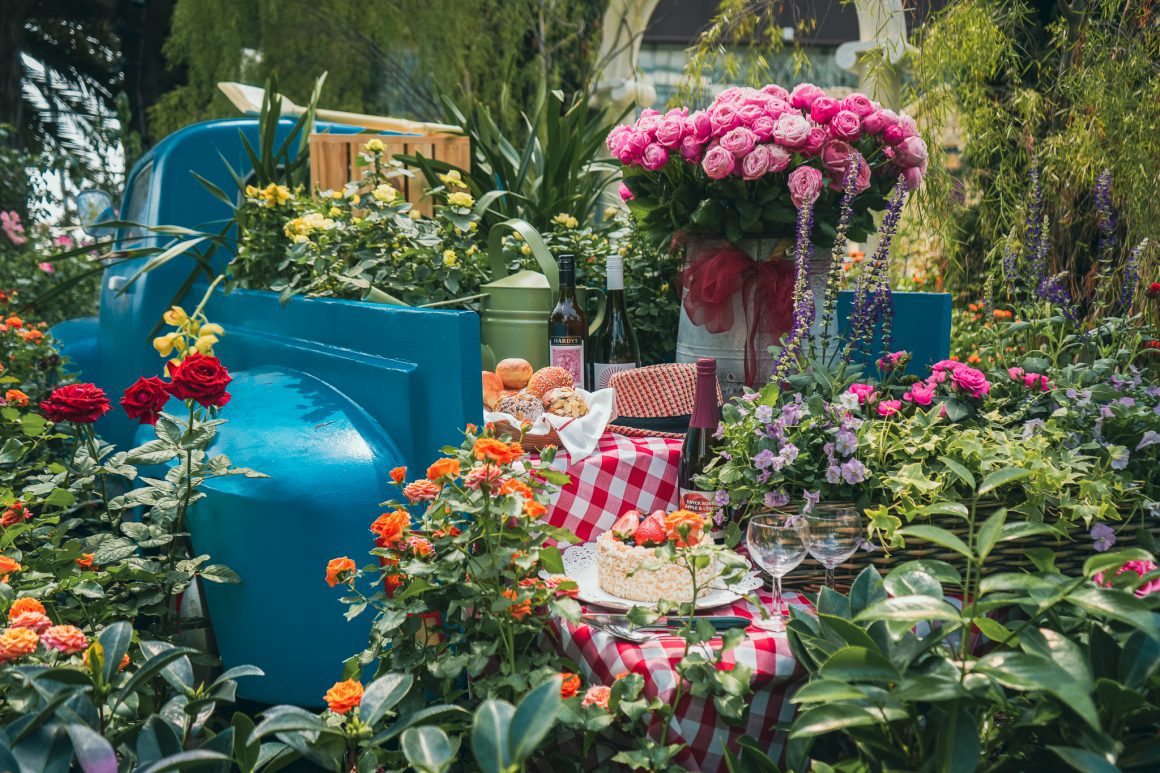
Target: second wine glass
835	534
778	544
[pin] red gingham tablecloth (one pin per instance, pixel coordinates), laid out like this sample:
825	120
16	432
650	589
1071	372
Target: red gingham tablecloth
642	472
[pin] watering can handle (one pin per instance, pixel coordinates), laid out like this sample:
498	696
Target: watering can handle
601	307
533	239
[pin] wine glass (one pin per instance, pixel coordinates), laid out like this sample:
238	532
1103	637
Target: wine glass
778	543
835	534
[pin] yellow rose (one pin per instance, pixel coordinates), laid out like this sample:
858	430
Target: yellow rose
566	220
355	199
460	199
472	250
375	145
473	225
414	214
385	193
526	250
251	191
333	212
450	258
519	237
175	316
452	179
334	194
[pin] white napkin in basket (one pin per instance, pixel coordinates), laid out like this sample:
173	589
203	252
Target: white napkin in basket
579	436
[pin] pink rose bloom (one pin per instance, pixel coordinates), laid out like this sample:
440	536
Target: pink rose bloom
729	95
718	162
649	121
756	163
910	152
617	138
892	135
1016	374
951	365
64	240
912	177
804	94
846	126
823	109
46	267
920	394
889	407
776	92
626	193
632	150
762	128
814	141
677	112
671	130
859	104
699	125
873	123
655	157
864	393
739	141
724	119
909	127
1036	381
779	158
791	129
749	113
973	382
835	157
1139	567
691	149
805	185
597	695
13	228
486	473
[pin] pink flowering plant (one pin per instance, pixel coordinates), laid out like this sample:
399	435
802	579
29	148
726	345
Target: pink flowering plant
744	166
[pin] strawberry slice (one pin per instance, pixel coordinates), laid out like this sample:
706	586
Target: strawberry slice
626	525
651	533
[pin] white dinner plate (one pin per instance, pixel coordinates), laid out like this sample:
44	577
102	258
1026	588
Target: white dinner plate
580	567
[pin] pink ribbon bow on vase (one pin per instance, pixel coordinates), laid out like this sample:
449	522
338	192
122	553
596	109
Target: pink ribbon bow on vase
715	275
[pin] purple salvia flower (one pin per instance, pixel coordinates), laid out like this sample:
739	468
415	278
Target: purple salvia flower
803	297
873	299
838	254
1010	266
1107	222
1131	277
1034	246
1053	290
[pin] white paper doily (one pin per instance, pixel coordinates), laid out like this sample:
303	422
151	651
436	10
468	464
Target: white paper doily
580	566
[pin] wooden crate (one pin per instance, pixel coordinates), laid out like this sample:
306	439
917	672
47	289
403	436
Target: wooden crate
333	159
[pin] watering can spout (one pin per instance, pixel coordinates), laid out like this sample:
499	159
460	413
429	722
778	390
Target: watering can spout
514	315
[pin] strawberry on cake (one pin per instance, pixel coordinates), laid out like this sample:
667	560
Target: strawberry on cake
632	542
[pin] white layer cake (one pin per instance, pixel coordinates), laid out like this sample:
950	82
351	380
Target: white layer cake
618	573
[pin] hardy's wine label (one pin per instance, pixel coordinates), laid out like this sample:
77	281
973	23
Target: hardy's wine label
567	352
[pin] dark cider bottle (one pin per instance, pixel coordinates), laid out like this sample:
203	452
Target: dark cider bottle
567	326
615	347
696	453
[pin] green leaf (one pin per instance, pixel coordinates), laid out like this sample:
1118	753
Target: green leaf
913	579
823	690
1024	529
113	550
1102	562
1117	605
187	760
115	640
11	451
382	695
988	533
551	560
93	753
427	748
534	717
939	537
992	629
945	508
910	609
960	471
838	716
150	668
489	735
957	746
1083	760
859	663
152	452
219	573
177	672
1002	478
1034	673
245	750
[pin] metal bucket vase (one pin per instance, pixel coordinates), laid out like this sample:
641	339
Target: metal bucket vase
728	347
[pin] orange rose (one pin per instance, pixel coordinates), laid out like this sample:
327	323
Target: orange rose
14	322
519	609
32	336
399	474
337	569
570	685
16	397
392	582
684	527
343	697
572	590
22	605
64	638
497	451
85	561
16	643
421	491
533	509
37	621
443	468
8	565
513	486
390	527
597	696
15	513
421	546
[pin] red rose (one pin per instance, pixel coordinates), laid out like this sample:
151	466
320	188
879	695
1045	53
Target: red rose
80	403
144	400
1153	289
200	378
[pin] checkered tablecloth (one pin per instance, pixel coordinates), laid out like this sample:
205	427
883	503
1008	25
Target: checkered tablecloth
776	675
622	473
642	472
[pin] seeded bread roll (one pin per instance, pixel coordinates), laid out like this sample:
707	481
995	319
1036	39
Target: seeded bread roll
523	406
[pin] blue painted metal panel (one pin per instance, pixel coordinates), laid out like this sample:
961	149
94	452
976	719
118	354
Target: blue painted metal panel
328	396
922	326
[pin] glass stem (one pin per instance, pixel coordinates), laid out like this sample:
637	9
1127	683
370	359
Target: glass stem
830	577
777	598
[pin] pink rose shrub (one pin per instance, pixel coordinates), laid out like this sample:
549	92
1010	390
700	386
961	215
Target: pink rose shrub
1140	569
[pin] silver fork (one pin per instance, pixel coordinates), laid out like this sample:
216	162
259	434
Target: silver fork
620	632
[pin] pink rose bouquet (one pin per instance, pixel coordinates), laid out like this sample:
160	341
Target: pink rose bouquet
743	166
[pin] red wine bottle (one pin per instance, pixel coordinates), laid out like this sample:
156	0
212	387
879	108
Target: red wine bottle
615	348
567	326
696	453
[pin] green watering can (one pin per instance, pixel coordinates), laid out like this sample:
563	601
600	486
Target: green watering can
513	316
